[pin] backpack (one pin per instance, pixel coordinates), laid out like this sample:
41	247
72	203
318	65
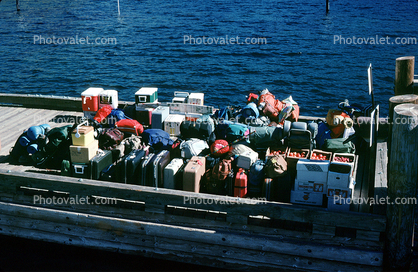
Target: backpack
157	138
222	169
276	166
323	133
18	149
236	132
250	110
55	148
256	178
202	128
193	147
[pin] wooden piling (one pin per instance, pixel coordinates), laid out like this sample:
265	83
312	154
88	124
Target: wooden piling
402	186
327	6
17	5
404	75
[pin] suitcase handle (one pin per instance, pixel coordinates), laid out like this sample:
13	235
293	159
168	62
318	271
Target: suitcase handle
79	169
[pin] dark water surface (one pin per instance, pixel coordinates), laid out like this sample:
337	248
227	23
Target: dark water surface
300	58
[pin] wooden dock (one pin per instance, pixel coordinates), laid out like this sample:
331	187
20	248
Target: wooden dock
217	231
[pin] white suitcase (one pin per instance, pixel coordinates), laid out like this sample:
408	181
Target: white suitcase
247	159
170	173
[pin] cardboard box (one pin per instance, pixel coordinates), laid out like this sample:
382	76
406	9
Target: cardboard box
312	170
172	124
82	136
311	186
351	157
327	154
339	199
280	150
306	198
292	161
146	95
83	154
340	174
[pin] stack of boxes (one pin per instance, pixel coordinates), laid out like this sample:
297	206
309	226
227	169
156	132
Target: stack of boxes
341	181
331	178
310	182
83	149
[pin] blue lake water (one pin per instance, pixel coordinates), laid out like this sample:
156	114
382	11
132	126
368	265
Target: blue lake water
300	58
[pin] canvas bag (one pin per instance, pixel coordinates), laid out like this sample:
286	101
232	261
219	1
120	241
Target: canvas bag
275	167
338	146
192	147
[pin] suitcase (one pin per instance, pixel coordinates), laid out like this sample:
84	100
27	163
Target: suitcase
267	188
156	170
81	170
241	182
144	116
193	172
130	166
247	159
220	187
158	117
171	173
99	162
109	173
144	165
256	178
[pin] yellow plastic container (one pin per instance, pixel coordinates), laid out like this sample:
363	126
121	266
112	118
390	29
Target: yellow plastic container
83	136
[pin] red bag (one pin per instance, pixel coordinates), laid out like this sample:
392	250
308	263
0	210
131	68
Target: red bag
130	125
219	147
271	106
103	113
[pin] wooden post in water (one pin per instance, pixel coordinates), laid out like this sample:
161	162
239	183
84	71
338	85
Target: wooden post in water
402	184
404	75
327	4
17	5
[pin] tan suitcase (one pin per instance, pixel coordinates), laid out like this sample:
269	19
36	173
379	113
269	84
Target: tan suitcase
193	172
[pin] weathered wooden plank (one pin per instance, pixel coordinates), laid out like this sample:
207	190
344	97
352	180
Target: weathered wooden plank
381	178
368	235
169	249
42	101
323	229
131	227
178	198
213	221
163	197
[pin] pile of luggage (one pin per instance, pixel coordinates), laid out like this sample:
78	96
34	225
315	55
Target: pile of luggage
250	151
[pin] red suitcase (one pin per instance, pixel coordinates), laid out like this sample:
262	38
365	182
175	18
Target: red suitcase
241	181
